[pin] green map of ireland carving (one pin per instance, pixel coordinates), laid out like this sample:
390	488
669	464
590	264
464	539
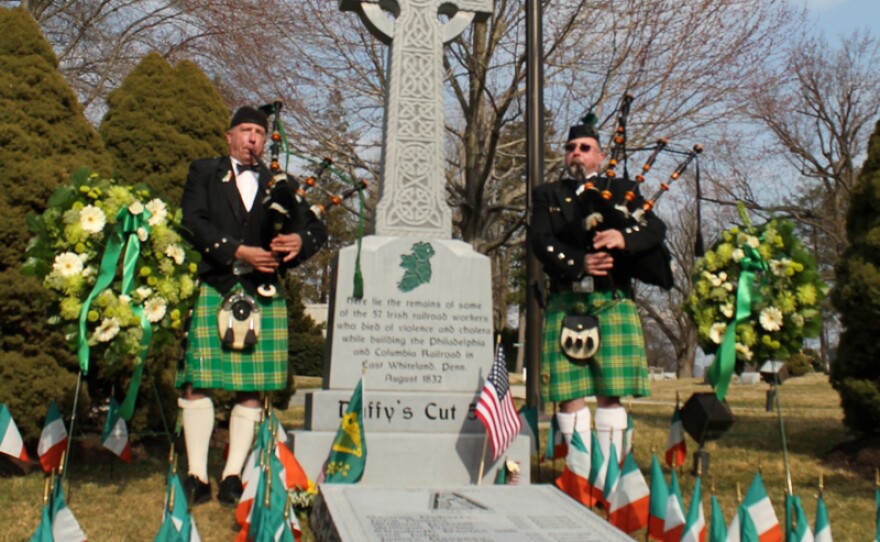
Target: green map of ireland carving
417	267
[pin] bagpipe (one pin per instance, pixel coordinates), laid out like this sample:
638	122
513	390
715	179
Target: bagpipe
282	200
614	200
630	207
239	316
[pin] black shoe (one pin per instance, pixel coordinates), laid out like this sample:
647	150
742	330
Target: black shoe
197	490
230	491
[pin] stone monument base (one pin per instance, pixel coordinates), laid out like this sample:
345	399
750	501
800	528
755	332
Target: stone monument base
415	459
533	513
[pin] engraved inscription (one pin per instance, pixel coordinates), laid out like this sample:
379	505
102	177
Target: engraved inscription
415	344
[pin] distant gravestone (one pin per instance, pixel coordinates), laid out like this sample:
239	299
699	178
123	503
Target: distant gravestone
422	334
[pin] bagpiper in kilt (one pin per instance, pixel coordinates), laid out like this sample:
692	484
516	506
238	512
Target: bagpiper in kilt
591	253
244	243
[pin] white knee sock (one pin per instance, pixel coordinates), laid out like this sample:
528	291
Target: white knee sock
241	436
565	420
579	421
610	427
198	424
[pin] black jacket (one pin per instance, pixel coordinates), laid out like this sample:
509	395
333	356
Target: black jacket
560	240
216	223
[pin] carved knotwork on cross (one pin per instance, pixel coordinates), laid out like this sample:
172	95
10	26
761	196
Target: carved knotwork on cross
413	181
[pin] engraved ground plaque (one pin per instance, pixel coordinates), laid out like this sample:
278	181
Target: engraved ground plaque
537	513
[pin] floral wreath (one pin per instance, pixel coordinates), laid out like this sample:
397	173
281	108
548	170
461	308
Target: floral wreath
756	297
119	272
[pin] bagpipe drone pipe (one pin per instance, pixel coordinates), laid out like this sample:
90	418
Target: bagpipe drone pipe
285	199
616	201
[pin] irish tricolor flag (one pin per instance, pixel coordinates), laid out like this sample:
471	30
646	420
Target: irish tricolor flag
695	527
761	515
673	525
823	526
64	524
53	440
10	438
676	449
717	527
801	531
115	435
575	478
659	496
598	469
628	504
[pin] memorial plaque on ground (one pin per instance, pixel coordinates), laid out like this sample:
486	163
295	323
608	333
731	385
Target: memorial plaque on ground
537	513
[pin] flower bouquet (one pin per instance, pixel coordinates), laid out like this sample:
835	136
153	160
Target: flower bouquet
756	293
120	275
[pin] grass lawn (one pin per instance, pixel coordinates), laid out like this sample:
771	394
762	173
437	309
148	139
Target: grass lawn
118	502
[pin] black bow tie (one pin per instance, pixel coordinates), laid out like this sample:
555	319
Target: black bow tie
247	167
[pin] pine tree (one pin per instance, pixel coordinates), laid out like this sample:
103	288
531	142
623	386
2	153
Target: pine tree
44	138
855	372
159	120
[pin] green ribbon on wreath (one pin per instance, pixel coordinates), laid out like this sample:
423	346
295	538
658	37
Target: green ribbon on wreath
721	370
124	233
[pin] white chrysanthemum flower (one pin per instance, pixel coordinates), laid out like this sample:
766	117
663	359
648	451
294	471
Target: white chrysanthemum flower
92	219
143	234
176	253
67	264
143	292
778	267
722	275
158	212
738	254
729	286
771	319
125	299
136	208
745	351
716	332
108	329
727	309
154	309
753	241
712	278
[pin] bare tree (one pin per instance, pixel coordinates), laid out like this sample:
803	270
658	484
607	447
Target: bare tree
820	110
97	42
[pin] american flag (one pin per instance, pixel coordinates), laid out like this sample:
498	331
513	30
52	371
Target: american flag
495	407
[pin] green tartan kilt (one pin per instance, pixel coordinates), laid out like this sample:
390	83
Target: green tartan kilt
619	368
209	364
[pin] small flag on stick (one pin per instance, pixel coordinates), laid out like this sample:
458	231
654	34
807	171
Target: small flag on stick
10	439
348	455
495	407
115	435
53	440
676	448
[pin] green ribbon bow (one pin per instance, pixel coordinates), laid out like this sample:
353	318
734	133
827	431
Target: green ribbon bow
721	370
124	233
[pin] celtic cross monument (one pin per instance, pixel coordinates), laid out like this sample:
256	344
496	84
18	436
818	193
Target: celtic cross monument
422	333
413	198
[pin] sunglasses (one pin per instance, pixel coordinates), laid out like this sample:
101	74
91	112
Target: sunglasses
584	147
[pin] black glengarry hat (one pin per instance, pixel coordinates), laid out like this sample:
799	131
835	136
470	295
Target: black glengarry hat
587	128
251	115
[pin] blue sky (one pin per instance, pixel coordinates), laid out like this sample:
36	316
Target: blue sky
840	17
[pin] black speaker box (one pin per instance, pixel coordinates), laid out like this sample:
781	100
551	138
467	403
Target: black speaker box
704	417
